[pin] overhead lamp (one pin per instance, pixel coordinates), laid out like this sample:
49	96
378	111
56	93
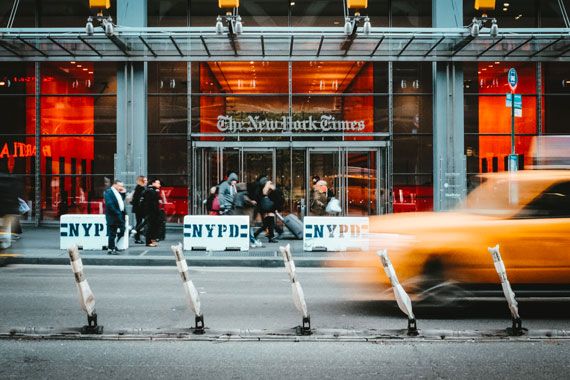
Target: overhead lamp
219	25
485	4
89	29
347	26
228	4
238	27
357	4
367	27
103	4
478	23
106	22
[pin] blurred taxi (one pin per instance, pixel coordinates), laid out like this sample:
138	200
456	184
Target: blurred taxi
526	213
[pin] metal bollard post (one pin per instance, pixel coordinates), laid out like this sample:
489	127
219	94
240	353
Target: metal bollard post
402	298
298	294
86	297
189	288
516	329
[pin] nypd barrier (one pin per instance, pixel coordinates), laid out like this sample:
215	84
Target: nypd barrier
335	233
88	232
216	233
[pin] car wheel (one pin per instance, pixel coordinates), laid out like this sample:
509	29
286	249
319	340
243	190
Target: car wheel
434	290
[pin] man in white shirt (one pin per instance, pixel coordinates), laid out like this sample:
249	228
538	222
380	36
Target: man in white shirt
115	215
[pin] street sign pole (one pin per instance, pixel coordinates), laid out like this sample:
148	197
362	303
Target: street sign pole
512	79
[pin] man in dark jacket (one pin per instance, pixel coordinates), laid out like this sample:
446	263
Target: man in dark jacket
114	215
138	207
227	194
152	208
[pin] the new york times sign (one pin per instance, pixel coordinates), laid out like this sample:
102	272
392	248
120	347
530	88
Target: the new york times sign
256	124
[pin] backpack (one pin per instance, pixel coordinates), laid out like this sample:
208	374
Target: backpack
216	204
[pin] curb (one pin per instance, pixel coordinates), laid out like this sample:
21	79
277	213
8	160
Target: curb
260	262
290	335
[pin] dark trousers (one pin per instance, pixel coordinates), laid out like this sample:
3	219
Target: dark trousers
268	223
112	234
139	226
152	228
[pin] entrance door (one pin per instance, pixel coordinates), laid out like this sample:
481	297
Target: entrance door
354	176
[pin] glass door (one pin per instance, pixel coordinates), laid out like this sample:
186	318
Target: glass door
324	179
256	163
361	182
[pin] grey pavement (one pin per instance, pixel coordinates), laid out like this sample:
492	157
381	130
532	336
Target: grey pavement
41	246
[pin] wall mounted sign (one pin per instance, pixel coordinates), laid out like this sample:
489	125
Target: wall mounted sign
256	124
21	150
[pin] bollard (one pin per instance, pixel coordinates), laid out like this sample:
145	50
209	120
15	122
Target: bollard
298	294
86	297
402	298
189	288
516	329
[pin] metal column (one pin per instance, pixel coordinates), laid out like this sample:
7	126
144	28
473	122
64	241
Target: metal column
448	112
132	126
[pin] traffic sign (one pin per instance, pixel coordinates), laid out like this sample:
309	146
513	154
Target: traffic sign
518	103
513	79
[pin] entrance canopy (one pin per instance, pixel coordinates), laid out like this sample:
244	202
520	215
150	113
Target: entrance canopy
283	44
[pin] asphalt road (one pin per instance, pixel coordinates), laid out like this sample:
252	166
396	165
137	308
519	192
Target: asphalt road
236	298
238	360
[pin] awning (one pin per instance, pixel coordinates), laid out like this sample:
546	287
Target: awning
283	44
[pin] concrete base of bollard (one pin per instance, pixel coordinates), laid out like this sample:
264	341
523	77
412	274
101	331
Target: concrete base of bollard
412	327
199	327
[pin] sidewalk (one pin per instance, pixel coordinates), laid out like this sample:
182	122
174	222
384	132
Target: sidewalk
41	246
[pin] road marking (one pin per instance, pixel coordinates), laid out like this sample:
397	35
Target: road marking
144	252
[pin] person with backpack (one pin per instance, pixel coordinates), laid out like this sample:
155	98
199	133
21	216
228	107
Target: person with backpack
213	202
138	207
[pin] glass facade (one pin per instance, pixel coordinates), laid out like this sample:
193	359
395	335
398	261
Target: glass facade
366	128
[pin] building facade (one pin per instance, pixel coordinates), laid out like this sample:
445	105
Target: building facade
399	119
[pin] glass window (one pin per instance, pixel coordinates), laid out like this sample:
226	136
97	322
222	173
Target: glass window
317	13
413	154
410	13
413	114
167	114
167	77
552	203
412	78
25	16
168	13
411	193
519	14
68	13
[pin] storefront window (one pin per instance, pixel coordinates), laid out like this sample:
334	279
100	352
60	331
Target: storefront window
556	99
168	13
77	133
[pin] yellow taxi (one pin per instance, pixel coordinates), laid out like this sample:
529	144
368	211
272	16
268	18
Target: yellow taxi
527	213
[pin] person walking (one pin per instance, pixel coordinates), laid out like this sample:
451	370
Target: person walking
227	194
267	208
114	215
152	210
244	205
138	207
213	202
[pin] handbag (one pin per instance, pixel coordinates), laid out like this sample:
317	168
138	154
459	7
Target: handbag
333	207
23	206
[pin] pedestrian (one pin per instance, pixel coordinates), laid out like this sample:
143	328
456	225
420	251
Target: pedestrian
319	198
138	207
267	209
227	194
115	215
278	199
152	210
213	202
245	205
9	206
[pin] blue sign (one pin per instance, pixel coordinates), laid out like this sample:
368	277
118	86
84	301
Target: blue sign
513	79
518	101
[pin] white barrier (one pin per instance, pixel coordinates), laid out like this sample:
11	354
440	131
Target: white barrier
191	292
335	233
216	233
86	297
5	232
402	298
298	294
88	232
507	290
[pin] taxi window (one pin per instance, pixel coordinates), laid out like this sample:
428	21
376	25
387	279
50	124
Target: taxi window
554	202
